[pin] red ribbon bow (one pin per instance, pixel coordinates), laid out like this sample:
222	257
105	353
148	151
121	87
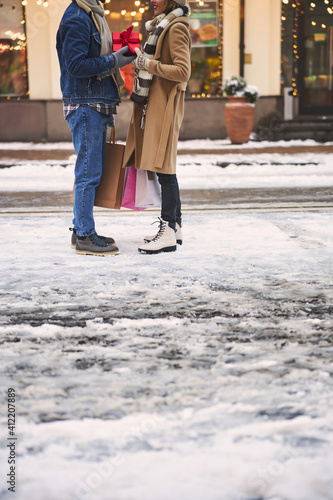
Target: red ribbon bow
128	38
125	35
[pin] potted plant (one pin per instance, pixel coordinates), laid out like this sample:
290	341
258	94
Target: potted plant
239	111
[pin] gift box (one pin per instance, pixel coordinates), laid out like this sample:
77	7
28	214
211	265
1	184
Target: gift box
124	38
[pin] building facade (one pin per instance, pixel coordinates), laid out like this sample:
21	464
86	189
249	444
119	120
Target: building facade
283	47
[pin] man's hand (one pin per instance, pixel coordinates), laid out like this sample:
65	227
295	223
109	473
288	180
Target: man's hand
140	61
120	60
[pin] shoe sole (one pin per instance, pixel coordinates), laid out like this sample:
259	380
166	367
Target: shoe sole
73	246
85	252
179	242
161	250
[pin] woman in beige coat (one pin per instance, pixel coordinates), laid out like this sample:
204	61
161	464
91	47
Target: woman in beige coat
163	69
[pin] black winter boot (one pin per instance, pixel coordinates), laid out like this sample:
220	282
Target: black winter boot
93	245
103	238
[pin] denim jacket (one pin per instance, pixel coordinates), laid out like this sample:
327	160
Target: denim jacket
78	47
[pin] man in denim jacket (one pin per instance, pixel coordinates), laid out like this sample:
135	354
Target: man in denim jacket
89	83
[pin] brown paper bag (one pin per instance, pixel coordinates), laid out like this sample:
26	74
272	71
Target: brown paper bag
110	189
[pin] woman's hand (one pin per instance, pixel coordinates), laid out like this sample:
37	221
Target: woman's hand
140	61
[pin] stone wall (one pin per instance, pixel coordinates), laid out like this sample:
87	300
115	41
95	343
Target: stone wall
42	120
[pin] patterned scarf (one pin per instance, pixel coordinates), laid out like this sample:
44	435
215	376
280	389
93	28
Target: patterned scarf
143	79
95	9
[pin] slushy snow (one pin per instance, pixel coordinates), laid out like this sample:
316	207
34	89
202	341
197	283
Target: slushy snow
201	374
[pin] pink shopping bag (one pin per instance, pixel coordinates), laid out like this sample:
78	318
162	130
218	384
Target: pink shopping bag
128	200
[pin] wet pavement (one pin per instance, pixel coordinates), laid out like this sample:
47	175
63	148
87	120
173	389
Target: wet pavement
223	199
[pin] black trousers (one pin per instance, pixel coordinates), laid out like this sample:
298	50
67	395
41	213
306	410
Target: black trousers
171	205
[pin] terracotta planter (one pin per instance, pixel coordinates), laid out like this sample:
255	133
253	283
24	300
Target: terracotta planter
239	119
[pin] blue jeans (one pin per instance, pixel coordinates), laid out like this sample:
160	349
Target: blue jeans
88	128
171	205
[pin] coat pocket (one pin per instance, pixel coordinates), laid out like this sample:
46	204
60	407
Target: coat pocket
95	45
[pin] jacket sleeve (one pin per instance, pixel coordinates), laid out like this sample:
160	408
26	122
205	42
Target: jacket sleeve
76	35
180	69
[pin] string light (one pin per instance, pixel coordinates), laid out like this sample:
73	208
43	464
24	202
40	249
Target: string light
287	8
38	2
220	46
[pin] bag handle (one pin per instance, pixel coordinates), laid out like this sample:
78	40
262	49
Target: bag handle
113	135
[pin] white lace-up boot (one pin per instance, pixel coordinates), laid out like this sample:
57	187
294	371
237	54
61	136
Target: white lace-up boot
164	241
179	235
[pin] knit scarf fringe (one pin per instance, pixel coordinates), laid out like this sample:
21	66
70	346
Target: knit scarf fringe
143	79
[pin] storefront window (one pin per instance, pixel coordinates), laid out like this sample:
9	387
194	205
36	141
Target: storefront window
13	67
307	53
206	49
205	33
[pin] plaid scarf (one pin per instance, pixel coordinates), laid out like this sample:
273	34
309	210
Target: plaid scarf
143	79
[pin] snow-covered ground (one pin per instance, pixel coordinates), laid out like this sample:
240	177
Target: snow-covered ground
201	374
194	172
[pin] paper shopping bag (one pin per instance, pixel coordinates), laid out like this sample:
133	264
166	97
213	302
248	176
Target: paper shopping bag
148	190
110	189
128	200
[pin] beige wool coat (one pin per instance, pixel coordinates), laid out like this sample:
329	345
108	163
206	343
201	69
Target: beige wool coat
155	147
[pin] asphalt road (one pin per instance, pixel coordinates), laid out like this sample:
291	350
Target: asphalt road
224	199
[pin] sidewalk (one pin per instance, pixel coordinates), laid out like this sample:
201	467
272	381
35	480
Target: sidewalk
183	368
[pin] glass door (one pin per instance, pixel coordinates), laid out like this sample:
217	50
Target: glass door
316	57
